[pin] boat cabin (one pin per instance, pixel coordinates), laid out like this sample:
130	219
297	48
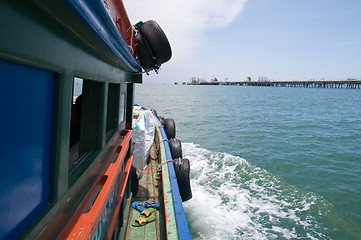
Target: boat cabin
66	96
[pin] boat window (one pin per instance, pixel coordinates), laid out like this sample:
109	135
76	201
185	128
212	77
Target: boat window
122	108
85	122
75	121
112	109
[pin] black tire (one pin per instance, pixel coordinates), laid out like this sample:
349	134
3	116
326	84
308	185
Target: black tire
175	146
161	120
182	171
134	181
154	112
170	128
157	41
145	55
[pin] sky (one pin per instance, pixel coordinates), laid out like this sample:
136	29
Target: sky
282	40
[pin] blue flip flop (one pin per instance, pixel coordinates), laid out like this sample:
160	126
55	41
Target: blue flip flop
151	203
140	207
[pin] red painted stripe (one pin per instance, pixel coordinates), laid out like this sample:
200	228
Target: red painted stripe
83	224
120	196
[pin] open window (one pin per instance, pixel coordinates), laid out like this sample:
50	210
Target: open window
85	120
75	119
122	108
112	109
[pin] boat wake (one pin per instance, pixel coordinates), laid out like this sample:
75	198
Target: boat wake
234	200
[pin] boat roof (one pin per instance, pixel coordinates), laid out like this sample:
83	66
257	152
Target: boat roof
96	16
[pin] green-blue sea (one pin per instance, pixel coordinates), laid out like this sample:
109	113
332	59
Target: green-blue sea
267	162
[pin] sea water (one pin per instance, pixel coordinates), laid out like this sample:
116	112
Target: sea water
267	162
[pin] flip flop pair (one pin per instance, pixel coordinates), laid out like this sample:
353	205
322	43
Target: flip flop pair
140	207
146	209
142	220
148	212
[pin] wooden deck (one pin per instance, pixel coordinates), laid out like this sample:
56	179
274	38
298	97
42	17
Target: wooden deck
159	183
149	189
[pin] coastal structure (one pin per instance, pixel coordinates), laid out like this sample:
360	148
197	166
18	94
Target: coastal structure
348	84
264	82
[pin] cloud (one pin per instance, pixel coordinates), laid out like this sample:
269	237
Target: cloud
185	22
343	44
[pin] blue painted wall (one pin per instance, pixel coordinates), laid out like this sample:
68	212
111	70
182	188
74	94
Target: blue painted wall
26	105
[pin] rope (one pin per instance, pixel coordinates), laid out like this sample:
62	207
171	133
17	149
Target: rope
159	167
131	37
166	161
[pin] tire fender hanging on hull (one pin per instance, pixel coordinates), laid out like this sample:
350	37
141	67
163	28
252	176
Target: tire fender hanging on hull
161	120
181	165
175	148
169	125
182	171
153	46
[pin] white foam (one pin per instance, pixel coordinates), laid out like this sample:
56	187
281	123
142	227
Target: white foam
233	199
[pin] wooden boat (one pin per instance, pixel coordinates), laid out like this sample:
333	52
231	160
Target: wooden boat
66	168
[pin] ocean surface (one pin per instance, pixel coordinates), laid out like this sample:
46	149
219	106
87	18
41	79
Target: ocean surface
267	162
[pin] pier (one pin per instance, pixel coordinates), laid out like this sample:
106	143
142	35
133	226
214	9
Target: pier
348	84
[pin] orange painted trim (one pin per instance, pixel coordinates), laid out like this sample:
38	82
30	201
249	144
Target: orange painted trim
83	224
120	196
120	18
